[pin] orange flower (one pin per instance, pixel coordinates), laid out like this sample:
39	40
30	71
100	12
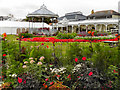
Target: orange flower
45	85
22	36
89	32
116	34
4	34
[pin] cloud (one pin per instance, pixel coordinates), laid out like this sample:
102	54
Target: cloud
20	8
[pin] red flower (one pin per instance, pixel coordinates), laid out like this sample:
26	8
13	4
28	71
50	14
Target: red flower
45	85
51	83
115	71
76	59
46	79
24	82
42	43
116	34
58	75
78	76
84	58
4	55
53	42
90	73
69	76
47	46
19	80
92	33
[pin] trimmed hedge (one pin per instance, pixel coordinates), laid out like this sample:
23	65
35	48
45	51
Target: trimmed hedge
66	35
26	35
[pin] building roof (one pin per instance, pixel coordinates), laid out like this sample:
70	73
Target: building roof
43	11
104	13
74	16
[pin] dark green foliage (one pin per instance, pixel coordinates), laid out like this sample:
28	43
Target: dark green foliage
66	35
26	35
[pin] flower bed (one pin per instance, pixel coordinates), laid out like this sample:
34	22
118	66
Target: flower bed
49	66
52	39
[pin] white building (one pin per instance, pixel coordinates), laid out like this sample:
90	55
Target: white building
15	27
102	21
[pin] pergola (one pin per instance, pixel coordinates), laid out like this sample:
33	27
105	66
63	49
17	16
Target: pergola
43	13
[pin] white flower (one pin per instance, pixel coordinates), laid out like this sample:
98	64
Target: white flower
10	75
45	68
14	75
51	69
61	70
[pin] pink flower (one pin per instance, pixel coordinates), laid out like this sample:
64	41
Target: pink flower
84	58
41	58
25	62
81	74
32	61
76	59
51	83
46	79
39	63
19	80
24	66
31	58
90	73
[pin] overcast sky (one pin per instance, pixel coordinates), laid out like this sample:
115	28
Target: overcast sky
20	8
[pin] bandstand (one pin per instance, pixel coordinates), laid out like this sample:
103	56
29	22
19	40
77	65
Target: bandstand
41	15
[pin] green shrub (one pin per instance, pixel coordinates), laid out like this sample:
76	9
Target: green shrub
66	35
26	35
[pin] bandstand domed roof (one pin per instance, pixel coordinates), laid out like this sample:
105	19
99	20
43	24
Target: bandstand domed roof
42	12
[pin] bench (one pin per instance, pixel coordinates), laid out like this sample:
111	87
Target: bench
111	43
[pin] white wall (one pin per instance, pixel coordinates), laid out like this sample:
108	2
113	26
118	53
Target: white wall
8	30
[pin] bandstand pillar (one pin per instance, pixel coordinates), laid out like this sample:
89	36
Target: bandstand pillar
95	26
106	27
86	28
72	29
78	28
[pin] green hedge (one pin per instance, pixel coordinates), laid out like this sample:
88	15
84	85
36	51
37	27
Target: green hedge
66	35
26	35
